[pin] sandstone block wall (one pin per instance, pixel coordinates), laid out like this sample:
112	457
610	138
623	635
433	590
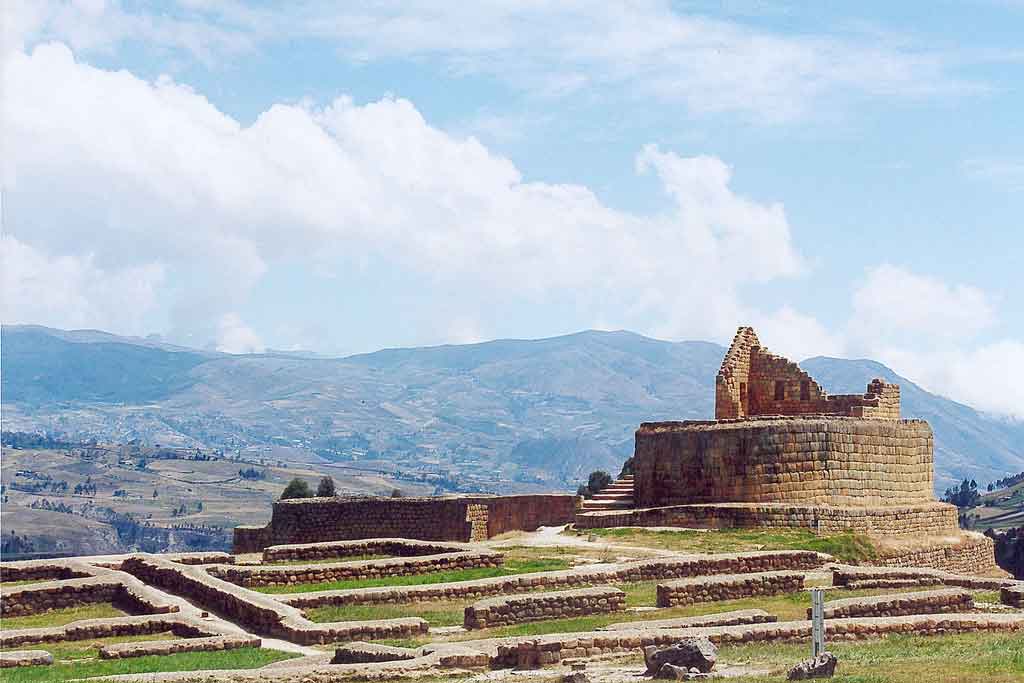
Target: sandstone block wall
1012	595
851	462
461	518
625	572
899	604
397	547
727	587
170	647
515	609
896	520
974	555
347	571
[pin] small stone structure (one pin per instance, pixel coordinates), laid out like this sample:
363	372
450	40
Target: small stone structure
1012	595
12	658
514	609
346	571
447	518
822	666
732	618
899	604
727	587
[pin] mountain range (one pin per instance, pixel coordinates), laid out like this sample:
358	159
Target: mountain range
521	414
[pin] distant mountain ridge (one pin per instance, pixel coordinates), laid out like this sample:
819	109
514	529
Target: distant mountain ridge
538	413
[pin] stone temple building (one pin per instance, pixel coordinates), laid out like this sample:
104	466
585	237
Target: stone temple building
782	452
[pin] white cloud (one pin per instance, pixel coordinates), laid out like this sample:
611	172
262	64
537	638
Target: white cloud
796	336
153	168
71	291
234	336
649	49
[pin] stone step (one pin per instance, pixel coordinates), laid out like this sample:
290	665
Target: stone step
614	497
591	505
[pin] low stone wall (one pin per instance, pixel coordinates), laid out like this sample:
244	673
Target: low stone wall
537	606
260	612
362	653
920	602
975	554
1012	595
531	652
727	587
41	570
346	571
396	547
93	629
450	518
875	577
15	658
170	647
214	557
902	520
732	618
624	572
19	601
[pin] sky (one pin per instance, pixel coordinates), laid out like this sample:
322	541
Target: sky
343	177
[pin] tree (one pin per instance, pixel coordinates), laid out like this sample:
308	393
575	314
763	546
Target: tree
584	491
296	488
395	493
326	488
155	494
598	481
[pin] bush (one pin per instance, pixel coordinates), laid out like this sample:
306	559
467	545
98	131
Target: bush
584	491
296	488
627	467
395	493
598	481
326	488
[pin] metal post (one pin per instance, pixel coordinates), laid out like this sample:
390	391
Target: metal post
817	621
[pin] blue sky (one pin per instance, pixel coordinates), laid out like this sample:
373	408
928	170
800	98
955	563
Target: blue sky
848	177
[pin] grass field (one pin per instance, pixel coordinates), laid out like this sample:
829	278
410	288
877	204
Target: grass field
59	617
845	547
512	566
243	658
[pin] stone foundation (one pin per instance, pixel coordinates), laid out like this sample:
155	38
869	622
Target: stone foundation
863	577
170	647
907	520
899	604
458	518
116	627
974	554
727	587
537	606
15	658
625	572
1012	595
347	571
396	547
733	618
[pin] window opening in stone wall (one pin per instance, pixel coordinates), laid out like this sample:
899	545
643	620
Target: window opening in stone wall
805	391
780	390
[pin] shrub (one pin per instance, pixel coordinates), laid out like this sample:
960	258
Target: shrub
326	488
598	481
395	493
584	491
296	488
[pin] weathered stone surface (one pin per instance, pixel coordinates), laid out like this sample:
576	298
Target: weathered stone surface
822	666
732	618
360	652
892	577
170	647
397	547
892	605
727	587
515	609
1012	595
13	658
698	653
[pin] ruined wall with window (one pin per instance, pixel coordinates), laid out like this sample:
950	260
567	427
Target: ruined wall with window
754	382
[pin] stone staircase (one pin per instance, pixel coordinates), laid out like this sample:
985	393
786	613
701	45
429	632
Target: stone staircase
617	496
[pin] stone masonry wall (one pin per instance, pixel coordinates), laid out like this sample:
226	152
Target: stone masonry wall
516	609
902	520
347	571
727	587
974	555
835	461
397	547
461	518
894	605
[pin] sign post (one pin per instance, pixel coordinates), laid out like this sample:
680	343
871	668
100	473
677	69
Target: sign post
817	621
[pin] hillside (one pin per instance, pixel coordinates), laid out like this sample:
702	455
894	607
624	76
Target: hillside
501	415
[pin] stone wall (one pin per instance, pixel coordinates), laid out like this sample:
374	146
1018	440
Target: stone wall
347	571
836	461
15	658
892	577
396	547
457	518
170	647
92	629
40	570
727	587
19	601
624	572
731	618
974	554
1012	595
514	609
899	604
752	381
923	519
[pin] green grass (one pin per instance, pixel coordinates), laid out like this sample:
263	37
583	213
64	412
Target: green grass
90	648
436	613
846	547
512	566
958	658
243	658
59	617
